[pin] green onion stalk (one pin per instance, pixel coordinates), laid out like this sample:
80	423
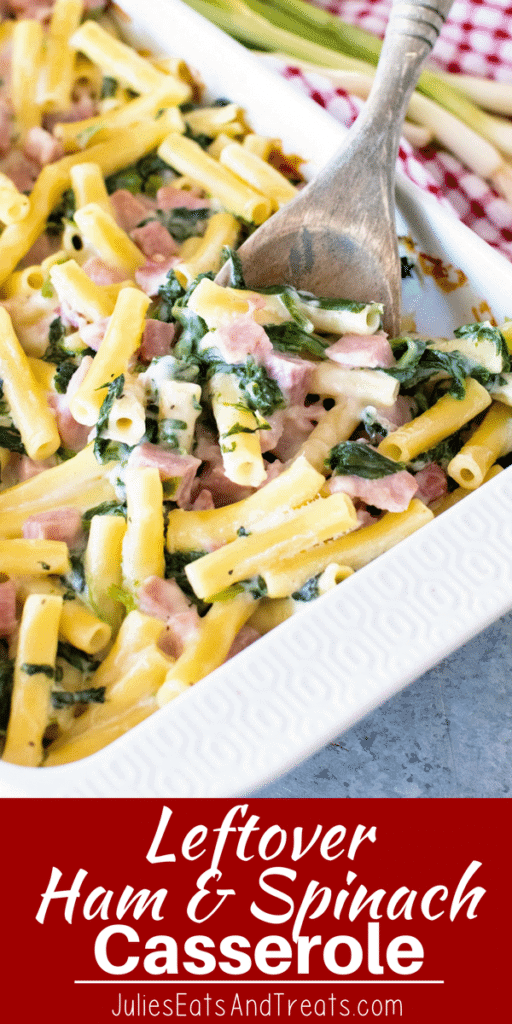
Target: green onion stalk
443	104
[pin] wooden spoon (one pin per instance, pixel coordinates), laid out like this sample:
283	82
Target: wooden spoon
337	239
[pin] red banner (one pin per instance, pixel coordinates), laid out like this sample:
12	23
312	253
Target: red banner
255	909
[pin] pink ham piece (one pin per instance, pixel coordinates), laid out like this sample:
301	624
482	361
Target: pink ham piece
431	483
7	608
164	599
28	468
169	198
242	338
222	490
83	107
170	464
244	638
55	524
156	340
298	422
203	501
129	210
101	273
292	374
153	274
393	492
5	126
22	171
369	350
41	146
154	240
161	598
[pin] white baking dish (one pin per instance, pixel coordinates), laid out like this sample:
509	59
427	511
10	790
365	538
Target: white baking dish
318	673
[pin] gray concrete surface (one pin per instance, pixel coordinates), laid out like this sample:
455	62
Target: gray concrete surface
449	734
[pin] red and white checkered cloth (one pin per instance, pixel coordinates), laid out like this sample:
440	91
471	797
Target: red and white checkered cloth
477	40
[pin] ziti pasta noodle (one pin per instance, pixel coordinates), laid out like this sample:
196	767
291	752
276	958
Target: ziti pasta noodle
182	465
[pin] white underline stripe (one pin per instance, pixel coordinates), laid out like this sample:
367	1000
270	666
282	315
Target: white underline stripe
247	981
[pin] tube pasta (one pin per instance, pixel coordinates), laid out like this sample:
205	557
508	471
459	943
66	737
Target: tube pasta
122	339
258	174
27	42
37	648
368	387
26	400
222	229
354	550
93	301
270	613
453	497
130	700
443	419
337	425
81	482
238	429
249	556
212	120
143	543
122	62
58	65
77	626
208	648
196	531
137	632
88	185
14	206
218	306
492	439
180	401
123	147
188	158
102	566
113	244
33	557
144	108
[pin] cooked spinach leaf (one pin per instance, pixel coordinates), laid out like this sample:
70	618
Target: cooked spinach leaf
484	332
63	375
108	87
255	586
6	682
183	223
309	591
77	658
175	564
31	669
55	352
260	391
105	508
236	274
65	210
10	438
65	698
353	458
289	337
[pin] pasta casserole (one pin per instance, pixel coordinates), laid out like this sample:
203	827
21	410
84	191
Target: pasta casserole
183	465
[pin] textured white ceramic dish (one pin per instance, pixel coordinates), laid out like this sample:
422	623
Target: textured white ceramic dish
323	670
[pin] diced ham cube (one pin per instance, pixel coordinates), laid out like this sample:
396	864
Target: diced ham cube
292	374
393	492
161	598
156	340
101	273
63	524
203	501
170	464
362	350
129	210
5	126
22	171
241	338
154	240
431	482
169	198
153	274
181	627
7	608
29	468
270	438
244	638
39	145
298	422
222	490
